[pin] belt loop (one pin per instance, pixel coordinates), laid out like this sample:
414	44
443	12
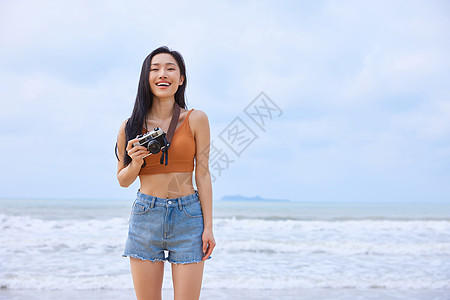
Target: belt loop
179	204
153	202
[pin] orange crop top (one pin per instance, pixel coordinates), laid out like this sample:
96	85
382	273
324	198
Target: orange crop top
181	153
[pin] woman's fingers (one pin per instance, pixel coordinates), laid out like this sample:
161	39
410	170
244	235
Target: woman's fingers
209	246
130	144
136	152
208	253
137	149
205	246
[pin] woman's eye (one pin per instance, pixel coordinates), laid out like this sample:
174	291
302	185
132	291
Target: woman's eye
153	69
171	69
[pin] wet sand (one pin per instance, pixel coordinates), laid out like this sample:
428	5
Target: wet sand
234	294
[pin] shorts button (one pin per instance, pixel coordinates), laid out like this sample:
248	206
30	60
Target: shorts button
170	202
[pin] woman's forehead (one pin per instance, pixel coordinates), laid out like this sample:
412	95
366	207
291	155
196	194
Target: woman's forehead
163	59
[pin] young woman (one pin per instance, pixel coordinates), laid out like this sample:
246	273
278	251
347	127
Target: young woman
168	215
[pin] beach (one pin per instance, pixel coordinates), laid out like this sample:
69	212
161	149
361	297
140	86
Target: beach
265	250
237	294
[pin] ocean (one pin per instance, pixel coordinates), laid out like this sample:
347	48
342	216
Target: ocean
269	250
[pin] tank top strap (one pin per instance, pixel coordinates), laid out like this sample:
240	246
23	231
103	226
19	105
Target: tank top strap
187	117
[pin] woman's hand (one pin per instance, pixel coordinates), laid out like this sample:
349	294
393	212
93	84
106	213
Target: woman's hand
208	243
136	153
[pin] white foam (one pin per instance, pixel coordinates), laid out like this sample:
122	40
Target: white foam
336	247
250	254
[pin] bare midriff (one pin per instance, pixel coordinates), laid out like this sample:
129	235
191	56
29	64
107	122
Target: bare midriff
167	185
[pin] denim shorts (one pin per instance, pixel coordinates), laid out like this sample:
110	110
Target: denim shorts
159	225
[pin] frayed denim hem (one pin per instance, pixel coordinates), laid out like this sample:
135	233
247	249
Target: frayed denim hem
185	262
164	260
142	258
189	262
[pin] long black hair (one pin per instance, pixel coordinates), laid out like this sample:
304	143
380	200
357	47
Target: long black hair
144	97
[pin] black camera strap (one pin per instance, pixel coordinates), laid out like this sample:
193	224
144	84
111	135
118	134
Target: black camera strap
168	138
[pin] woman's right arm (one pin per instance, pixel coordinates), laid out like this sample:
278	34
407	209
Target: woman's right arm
128	174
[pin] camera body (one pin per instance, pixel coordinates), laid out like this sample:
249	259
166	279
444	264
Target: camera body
155	141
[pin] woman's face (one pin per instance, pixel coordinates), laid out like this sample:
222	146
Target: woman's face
164	75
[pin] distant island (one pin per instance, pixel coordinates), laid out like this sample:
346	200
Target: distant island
256	198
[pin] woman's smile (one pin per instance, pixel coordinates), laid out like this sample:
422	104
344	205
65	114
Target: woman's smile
163	84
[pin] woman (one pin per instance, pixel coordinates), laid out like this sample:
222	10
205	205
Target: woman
168	215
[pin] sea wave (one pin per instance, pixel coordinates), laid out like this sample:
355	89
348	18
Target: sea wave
336	247
251	253
123	281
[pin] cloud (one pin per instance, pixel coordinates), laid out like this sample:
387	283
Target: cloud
428	123
363	86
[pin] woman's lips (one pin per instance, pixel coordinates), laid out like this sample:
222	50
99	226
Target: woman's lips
163	84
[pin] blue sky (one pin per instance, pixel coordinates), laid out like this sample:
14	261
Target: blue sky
363	87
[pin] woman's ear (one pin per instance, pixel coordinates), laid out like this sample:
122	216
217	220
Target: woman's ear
181	80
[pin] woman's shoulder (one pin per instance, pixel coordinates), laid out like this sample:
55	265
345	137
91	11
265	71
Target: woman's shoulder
198	119
197	115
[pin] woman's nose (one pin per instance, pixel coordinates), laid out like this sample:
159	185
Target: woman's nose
162	74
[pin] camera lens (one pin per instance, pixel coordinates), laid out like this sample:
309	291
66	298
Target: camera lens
154	147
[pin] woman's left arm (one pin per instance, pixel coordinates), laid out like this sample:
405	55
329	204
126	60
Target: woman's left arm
200	126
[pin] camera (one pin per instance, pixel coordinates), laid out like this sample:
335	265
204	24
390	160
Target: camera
155	141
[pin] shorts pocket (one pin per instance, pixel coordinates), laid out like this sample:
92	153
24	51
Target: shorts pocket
140	208
193	210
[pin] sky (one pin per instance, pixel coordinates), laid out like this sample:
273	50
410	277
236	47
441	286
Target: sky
332	100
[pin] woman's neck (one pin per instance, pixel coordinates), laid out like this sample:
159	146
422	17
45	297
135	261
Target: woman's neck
161	109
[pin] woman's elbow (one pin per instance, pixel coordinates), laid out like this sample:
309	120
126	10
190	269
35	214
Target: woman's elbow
123	183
